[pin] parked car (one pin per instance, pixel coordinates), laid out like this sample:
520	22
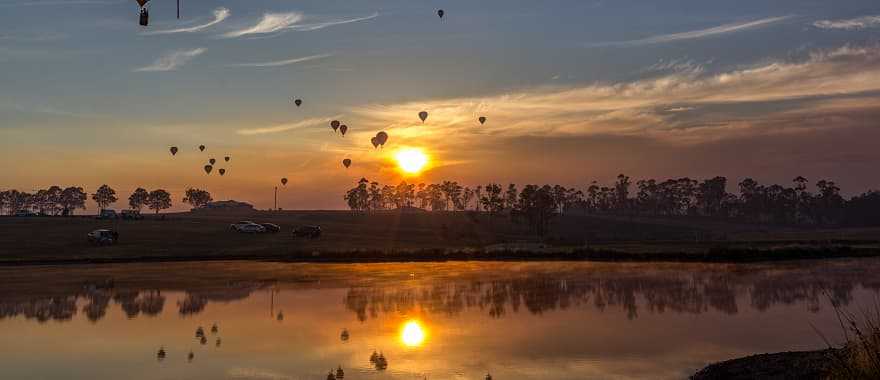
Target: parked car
107	214
247	227
131	214
309	232
273	228
103	237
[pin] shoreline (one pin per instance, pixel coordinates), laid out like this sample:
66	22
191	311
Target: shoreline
716	255
814	364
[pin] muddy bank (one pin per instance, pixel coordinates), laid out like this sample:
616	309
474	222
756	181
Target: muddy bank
783	365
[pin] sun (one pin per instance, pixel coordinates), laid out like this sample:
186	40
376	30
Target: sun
412	334
411	161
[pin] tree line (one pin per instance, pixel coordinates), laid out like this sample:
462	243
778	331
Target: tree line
55	200
777	204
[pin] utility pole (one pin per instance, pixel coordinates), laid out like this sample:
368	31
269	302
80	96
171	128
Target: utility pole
276	199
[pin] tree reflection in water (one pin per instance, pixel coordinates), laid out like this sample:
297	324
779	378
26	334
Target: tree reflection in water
634	288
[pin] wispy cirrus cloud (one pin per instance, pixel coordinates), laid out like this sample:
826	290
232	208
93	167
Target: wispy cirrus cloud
171	61
280	63
303	124
280	22
220	14
695	34
849	24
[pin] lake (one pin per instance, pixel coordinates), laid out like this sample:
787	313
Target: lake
536	320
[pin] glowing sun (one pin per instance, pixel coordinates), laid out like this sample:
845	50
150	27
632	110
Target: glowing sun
412	334
411	161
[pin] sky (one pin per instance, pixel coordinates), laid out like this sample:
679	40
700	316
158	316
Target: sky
573	92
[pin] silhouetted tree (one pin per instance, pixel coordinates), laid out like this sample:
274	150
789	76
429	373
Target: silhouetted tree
197	198
138	199
536	205
104	196
159	200
72	198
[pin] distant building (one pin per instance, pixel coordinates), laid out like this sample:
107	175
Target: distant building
229	205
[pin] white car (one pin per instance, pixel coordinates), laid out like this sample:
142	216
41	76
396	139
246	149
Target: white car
247	227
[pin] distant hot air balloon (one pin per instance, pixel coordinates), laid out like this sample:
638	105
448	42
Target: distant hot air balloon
226	158
284	181
423	115
334	124
343	128
298	102
440	13
201	148
482	120
222	171
212	161
381	138
346	162
375	142
173	150
208	169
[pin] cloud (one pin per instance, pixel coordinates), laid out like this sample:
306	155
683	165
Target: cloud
850	24
308	123
220	14
172	60
685	106
281	63
696	34
280	22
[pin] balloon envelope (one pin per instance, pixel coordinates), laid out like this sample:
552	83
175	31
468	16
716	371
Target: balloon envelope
440	13
346	162
375	142
173	150
208	169
343	128
423	115
284	181
212	161
222	171
298	102
334	124
202	148
381	138
226	158
482	120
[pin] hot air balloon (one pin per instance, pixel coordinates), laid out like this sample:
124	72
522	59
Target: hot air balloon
201	148
208	169
173	150
298	102
346	162
212	161
375	142
343	128
222	171
440	13
284	181
482	120
190	356
226	158
423	115
382	138
334	124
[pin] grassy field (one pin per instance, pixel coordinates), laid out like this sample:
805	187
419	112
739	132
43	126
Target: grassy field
392	236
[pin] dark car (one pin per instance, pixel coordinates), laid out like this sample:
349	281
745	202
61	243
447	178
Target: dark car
271	228
103	237
309	232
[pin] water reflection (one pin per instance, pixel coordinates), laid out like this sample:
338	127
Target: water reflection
411	321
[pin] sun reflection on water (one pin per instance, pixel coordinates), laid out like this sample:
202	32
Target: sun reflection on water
412	334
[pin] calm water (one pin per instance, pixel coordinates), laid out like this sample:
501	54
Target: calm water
434	321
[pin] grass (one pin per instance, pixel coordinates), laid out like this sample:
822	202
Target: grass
859	356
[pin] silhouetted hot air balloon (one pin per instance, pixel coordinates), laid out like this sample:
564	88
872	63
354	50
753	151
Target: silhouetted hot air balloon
212	161
334	124
375	142
208	169
440	13
382	138
346	162
161	354
482	120
190	357
298	102
284	181
226	158
201	148
173	150
423	115
343	128
222	171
